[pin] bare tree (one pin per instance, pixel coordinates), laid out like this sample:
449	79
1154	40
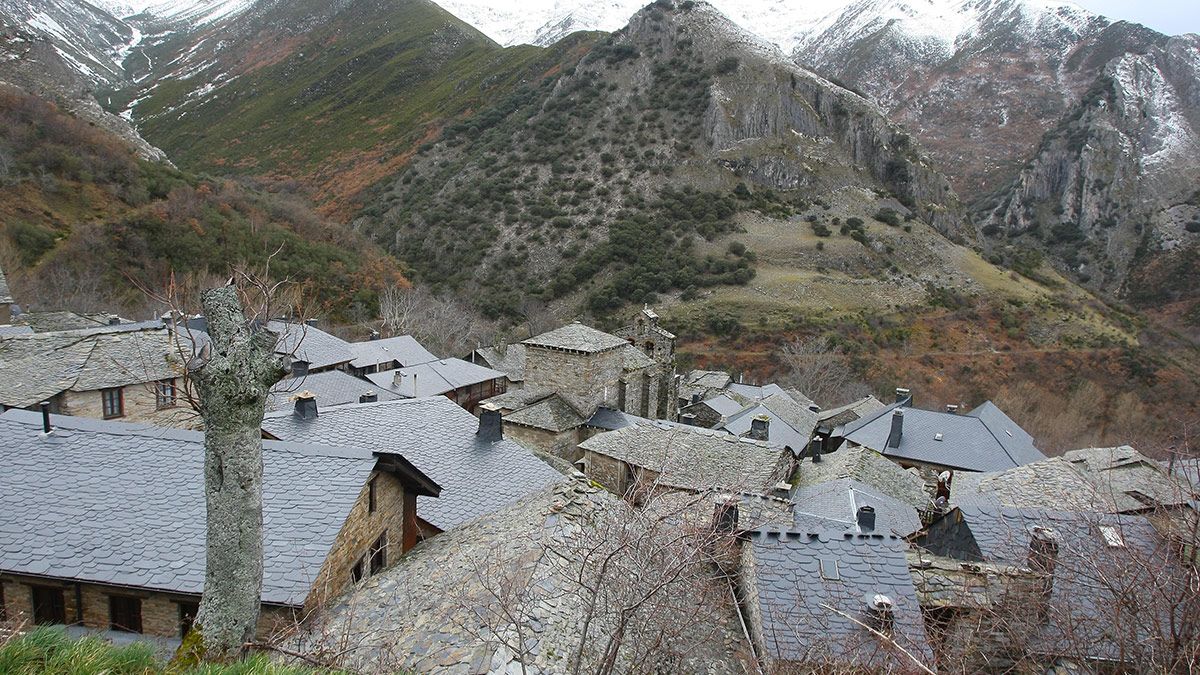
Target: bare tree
819	371
445	326
233	373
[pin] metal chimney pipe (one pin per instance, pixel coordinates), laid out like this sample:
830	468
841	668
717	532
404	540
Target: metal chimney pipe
45	406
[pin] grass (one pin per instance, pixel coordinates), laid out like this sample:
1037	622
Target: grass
50	651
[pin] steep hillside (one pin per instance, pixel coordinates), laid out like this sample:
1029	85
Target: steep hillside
335	94
606	178
84	223
66	51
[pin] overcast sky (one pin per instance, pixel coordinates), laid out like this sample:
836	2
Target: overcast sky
1165	16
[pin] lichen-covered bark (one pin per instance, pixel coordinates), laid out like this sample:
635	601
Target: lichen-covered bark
232	383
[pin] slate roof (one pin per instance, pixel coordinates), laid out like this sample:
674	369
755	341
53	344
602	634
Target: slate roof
516	399
868	467
332	387
54	321
577	337
36	367
839	500
1130	480
553	413
1187	470
511	362
794	598
8	329
610	419
433	378
695	459
635	359
836	417
724	405
754	391
703	383
309	343
1078	612
791	424
403	349
123	504
438	437
984	439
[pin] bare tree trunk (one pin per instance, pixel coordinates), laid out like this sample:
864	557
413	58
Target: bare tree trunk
232	381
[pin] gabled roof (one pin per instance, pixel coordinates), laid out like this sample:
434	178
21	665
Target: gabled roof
724	405
1129	480
836	417
791	425
433	378
403	349
508	359
1049	484
702	383
868	467
839	500
754	391
437	436
635	359
36	367
553	413
695	459
804	613
577	337
611	420
309	343
970	442
331	388
123	504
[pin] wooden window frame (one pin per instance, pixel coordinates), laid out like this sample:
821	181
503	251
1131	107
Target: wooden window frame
161	400
58	606
377	554
120	402
125	613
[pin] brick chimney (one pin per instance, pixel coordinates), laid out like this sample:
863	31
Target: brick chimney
897	431
491	423
760	428
306	406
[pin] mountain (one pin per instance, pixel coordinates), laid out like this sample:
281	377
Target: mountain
85	224
336	94
67	51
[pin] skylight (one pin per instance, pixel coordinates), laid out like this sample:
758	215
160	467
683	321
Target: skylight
829	569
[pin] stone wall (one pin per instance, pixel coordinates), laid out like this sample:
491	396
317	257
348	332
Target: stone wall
705	416
395	514
160	611
588	381
564	444
141	405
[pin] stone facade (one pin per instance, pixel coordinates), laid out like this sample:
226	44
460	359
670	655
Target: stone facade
661	399
587	380
88	605
564	444
140	405
705	416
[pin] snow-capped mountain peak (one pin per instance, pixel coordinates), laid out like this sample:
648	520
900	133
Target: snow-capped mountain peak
194	12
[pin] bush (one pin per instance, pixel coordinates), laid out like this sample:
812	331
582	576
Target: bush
1193	226
889	216
737	248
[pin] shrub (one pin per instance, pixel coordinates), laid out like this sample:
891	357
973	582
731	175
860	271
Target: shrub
1193	226
737	248
889	216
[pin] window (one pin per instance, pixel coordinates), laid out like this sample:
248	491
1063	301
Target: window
358	571
187	617
829	569
48	607
371	505
165	394
125	613
378	554
1112	536
113	401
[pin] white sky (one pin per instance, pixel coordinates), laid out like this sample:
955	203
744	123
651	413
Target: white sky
1172	17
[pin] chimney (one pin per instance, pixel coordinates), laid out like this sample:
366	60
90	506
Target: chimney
813	407
725	515
952	409
46	428
375	335
903	396
760	428
369	397
897	432
299	368
866	518
491	423
688	418
816	447
306	406
311	323
695	398
114	321
882	613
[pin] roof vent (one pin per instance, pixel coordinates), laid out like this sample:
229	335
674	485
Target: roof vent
903	396
937	437
375	335
306	406
866	518
883	612
952	409
114	321
46	428
369	397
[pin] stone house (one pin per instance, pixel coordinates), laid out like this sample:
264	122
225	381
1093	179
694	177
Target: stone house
659	456
479	471
126	371
378	355
330	388
659	401
119	544
506	358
